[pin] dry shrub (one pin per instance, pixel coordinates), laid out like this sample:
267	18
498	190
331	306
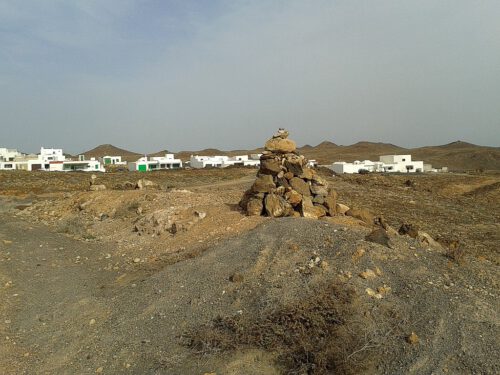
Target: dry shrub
322	334
126	209
455	251
73	225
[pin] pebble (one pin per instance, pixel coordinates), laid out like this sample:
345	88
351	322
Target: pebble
412	338
372	293
92	322
137	260
367	274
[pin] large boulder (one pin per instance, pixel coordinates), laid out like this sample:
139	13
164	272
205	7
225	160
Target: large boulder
300	186
309	210
295	165
307	173
255	207
362	214
280	145
293	197
263	184
319	190
276	206
330	202
380	236
270	166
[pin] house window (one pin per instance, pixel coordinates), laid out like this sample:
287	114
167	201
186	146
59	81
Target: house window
7	166
96	166
404	159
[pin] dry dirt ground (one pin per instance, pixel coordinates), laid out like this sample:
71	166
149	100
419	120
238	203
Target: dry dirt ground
101	282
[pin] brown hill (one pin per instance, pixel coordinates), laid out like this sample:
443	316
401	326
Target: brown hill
110	150
456	156
328	152
459	156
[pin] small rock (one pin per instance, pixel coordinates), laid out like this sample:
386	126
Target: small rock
409	229
412	338
99	370
372	293
236	277
380	236
97	187
358	254
146	184
137	260
200	214
384	289
367	274
92	322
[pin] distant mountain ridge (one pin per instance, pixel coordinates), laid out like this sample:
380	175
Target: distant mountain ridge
458	155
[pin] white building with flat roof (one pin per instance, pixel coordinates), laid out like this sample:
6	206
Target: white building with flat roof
112	160
386	163
8	154
221	161
155	163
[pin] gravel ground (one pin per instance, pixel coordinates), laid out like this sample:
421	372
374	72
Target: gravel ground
68	308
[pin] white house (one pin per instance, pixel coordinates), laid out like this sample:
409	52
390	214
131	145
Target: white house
155	163
220	161
7	158
41	162
401	163
112	160
50	159
7	166
52	154
91	165
8	154
386	163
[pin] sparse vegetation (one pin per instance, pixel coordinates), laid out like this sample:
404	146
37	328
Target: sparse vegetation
322	334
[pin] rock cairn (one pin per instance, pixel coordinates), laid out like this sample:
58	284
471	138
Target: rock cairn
286	186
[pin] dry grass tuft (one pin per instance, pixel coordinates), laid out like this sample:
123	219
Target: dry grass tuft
322	334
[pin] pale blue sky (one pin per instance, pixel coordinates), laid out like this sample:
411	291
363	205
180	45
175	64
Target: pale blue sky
154	74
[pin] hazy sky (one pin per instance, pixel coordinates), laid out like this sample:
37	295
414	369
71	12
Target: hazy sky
179	74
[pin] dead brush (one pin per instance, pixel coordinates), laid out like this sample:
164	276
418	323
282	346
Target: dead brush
322	334
72	226
455	251
126	209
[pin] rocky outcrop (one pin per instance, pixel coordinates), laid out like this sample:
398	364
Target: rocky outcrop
286	186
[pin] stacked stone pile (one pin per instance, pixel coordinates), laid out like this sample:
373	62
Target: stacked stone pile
286	186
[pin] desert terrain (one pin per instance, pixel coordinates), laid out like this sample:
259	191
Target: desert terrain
168	276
